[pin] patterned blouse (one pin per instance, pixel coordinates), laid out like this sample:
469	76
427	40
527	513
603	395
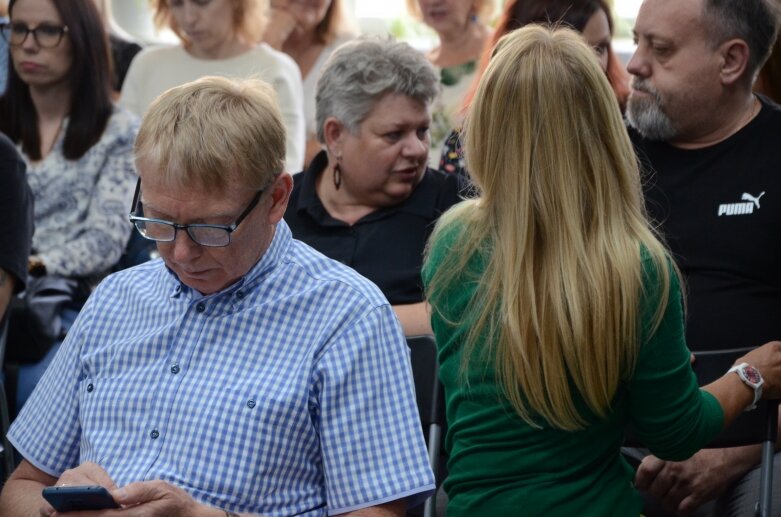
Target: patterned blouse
81	206
446	108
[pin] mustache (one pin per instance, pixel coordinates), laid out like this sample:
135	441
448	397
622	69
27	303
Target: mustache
643	85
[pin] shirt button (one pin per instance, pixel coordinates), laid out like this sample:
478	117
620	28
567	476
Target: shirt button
250	403
240	295
175	369
178	288
200	307
154	434
90	387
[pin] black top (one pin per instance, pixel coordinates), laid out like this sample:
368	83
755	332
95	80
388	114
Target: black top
386	246
720	211
16	213
122	53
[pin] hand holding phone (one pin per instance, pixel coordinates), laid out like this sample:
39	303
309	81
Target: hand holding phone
77	498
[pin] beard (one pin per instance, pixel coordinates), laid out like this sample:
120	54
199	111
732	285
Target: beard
645	113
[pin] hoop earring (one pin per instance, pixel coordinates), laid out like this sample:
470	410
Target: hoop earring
337	176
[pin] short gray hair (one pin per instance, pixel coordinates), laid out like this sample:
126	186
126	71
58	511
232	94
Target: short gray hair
753	21
361	71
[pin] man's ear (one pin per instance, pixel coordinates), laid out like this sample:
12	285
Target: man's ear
334	132
735	57
280	194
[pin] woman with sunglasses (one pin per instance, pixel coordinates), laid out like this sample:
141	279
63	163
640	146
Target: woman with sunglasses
76	143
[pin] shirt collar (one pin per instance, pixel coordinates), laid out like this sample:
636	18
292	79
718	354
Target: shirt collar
278	248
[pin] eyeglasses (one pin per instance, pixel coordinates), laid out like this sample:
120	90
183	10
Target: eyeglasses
45	35
210	235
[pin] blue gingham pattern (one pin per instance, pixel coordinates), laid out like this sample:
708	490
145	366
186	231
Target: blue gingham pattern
289	392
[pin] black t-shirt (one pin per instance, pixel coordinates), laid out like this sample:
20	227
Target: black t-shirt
385	246
720	212
16	213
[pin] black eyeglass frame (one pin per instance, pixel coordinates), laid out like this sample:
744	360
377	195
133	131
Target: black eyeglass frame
228	228
6	28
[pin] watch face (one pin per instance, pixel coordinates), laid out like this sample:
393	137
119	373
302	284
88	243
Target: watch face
752	375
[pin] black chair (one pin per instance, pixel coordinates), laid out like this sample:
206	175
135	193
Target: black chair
8	460
431	402
750	428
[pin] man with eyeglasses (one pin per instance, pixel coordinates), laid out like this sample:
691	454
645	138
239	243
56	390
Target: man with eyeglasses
242	373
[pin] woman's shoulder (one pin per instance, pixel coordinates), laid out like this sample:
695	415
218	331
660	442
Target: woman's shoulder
121	128
271	57
156	54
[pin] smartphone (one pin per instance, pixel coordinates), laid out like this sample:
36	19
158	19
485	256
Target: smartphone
77	498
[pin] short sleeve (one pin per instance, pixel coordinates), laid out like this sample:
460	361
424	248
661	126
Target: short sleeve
47	432
363	404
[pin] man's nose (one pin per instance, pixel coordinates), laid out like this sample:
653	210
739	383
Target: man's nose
638	64
184	248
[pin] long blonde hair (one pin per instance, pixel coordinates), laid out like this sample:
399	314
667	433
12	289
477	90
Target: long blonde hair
560	212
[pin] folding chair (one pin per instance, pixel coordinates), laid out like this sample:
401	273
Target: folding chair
7	452
431	402
753	427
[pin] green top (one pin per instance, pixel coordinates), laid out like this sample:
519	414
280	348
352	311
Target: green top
500	465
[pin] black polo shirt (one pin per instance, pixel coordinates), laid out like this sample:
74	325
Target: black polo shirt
386	246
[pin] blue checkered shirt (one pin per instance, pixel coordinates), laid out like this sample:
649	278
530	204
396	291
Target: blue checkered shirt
289	392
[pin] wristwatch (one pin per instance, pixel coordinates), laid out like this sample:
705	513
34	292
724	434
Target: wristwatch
751	378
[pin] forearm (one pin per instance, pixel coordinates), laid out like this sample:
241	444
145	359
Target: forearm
733	396
415	318
22	498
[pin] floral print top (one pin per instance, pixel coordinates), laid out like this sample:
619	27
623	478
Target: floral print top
446	112
81	206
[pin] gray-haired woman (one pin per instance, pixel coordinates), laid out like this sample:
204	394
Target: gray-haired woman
368	199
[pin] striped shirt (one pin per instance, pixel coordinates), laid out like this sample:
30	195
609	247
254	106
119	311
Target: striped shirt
289	392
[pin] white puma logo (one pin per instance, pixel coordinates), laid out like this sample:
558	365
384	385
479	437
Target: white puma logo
747	206
748	197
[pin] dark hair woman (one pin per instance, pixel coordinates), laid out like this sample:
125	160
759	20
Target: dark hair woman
77	145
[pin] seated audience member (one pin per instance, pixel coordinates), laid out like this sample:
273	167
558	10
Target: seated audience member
462	29
710	147
592	18
77	145
242	372
309	33
16	209
218	38
369	200
557	312
123	47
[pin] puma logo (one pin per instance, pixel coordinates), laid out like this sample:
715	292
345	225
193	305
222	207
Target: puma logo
748	205
748	197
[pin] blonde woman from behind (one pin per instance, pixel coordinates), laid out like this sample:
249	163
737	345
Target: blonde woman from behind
557	311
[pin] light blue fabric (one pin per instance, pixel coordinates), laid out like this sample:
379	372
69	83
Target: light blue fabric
289	392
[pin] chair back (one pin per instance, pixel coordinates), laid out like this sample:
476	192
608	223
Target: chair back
430	397
7	453
429	393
